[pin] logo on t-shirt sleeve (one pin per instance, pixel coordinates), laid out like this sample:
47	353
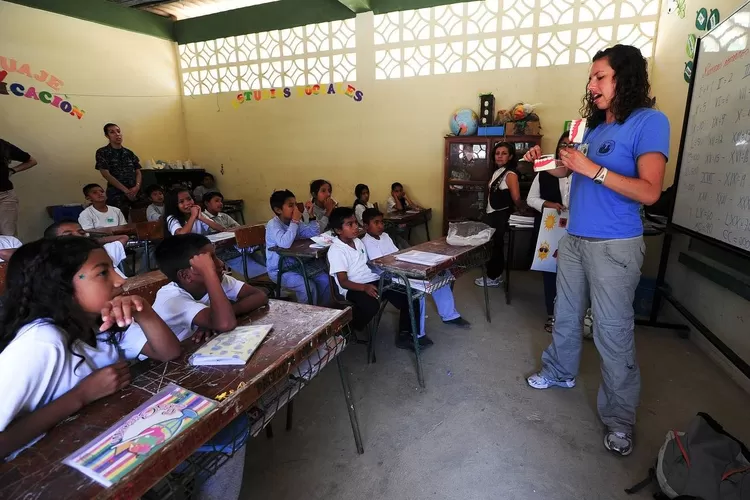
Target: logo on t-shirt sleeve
606	148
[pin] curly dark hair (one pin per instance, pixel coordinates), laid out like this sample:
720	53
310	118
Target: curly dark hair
632	88
513	162
40	286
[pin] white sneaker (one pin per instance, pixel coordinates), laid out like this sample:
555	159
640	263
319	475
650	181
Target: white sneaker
490	282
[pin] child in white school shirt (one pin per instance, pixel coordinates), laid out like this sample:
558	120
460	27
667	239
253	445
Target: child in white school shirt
200	296
61	322
113	245
8	245
99	215
378	243
347	261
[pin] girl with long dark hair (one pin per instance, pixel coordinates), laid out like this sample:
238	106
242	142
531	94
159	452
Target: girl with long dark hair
62	321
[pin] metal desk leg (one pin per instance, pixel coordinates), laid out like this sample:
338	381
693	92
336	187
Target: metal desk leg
244	264
289	413
278	277
486	293
148	259
373	326
306	280
508	260
350	407
414	332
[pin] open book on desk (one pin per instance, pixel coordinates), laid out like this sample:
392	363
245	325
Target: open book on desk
423	258
231	348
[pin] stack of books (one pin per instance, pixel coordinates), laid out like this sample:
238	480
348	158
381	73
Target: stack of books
521	221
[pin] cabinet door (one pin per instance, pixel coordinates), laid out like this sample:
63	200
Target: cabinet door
465	202
523	146
467	161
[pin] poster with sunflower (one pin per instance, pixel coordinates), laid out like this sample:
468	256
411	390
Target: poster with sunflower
554	227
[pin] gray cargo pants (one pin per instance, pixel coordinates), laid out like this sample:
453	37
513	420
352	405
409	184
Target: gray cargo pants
608	271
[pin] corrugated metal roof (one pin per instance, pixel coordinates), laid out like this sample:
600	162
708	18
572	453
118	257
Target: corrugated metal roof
187	9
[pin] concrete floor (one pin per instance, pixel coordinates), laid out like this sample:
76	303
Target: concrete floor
477	431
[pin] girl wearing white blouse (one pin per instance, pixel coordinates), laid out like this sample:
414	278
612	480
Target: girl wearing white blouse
548	191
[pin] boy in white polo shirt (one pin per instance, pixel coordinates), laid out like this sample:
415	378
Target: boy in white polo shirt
378	243
99	215
347	260
8	245
200	296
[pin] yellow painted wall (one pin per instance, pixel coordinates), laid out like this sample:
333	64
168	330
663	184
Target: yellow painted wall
395	133
97	64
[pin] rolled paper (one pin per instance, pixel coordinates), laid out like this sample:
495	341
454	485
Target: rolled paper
546	162
577	130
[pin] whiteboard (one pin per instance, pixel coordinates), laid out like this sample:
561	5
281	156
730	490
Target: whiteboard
713	183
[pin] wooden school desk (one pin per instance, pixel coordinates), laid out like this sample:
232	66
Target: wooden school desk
410	219
299	329
461	260
305	263
145	285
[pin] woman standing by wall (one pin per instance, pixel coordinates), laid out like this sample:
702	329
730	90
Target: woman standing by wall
8	199
505	194
623	167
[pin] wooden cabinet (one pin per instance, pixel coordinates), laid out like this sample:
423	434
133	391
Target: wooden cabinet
468	169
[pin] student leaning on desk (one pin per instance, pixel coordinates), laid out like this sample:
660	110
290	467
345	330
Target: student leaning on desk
62	320
627	146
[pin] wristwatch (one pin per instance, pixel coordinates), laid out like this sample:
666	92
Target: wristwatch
600	176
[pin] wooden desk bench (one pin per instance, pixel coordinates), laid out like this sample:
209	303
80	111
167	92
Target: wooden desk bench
301	254
299	330
146	285
461	260
410	219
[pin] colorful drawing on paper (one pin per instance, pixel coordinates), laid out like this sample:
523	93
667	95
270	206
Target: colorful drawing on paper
140	434
549	222
554	227
8	66
677	6
344	89
543	251
692	41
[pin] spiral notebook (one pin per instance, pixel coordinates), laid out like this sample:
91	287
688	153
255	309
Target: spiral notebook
140	434
231	348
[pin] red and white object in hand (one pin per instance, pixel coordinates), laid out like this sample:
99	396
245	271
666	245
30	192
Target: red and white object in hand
546	162
577	131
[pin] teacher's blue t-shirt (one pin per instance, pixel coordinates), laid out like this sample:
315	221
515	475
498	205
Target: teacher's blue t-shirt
595	210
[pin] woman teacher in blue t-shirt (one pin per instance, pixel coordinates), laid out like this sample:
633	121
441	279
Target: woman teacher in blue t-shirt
619	167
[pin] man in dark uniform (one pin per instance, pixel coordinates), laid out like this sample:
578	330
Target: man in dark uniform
121	168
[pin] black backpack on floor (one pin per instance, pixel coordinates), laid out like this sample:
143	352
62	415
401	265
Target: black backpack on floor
704	462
